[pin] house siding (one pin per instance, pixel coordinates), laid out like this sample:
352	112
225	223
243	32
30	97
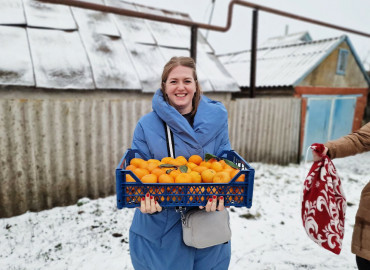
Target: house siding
325	74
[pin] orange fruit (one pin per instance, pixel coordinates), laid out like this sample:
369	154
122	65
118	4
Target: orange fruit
241	178
175	162
212	190
221	177
199	169
152	166
149	178
217	166
158	171
188	170
228	167
191	165
154	160
182	160
130	167
165	178
195	159
175	173
205	164
199	191
239	199
167	160
183	178
229	171
139	172
136	162
207	175
129	178
139	163
195	177
143	164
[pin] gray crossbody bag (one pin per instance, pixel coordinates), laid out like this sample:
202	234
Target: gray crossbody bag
201	229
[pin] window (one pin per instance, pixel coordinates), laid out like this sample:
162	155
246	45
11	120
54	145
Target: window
342	61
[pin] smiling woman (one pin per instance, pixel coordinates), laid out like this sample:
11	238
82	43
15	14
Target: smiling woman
198	125
180	88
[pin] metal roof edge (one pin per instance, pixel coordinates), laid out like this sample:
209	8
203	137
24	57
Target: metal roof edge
166	11
329	51
279	46
358	60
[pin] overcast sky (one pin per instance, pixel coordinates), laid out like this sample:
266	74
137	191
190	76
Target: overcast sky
353	14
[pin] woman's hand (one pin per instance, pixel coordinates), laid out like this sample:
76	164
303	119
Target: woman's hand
317	157
148	205
212	204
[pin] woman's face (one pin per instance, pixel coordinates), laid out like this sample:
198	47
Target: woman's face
180	88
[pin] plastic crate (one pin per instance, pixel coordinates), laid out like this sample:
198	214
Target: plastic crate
237	194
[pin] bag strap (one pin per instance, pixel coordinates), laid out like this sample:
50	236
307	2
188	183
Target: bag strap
169	139
171	153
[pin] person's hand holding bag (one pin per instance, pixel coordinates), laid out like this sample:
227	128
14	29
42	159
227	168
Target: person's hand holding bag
318	154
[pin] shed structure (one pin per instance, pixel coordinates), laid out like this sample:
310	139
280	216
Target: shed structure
74	83
327	75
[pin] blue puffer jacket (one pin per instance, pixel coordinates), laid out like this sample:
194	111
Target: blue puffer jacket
156	240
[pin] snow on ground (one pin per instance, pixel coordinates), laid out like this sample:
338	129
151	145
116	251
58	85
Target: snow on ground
94	235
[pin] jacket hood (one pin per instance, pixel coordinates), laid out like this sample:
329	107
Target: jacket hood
209	121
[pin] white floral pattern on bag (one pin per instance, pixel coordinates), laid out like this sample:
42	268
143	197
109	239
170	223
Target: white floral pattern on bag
324	205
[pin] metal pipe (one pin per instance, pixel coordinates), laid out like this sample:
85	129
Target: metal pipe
131	13
252	84
210	16
193	42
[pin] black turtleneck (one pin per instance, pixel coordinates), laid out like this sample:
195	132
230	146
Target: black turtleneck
190	118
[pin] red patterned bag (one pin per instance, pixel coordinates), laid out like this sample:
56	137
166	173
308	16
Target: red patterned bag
324	204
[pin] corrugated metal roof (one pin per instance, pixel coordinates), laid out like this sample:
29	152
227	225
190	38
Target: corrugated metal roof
48	16
59	47
293	38
11	12
56	65
18	70
279	65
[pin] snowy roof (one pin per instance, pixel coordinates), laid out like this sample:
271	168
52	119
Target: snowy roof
61	47
293	38
283	65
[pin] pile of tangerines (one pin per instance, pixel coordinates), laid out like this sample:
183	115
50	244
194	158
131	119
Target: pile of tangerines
182	170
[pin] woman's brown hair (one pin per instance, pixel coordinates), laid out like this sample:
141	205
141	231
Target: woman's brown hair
186	62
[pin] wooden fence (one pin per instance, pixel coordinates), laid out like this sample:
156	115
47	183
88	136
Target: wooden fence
55	151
